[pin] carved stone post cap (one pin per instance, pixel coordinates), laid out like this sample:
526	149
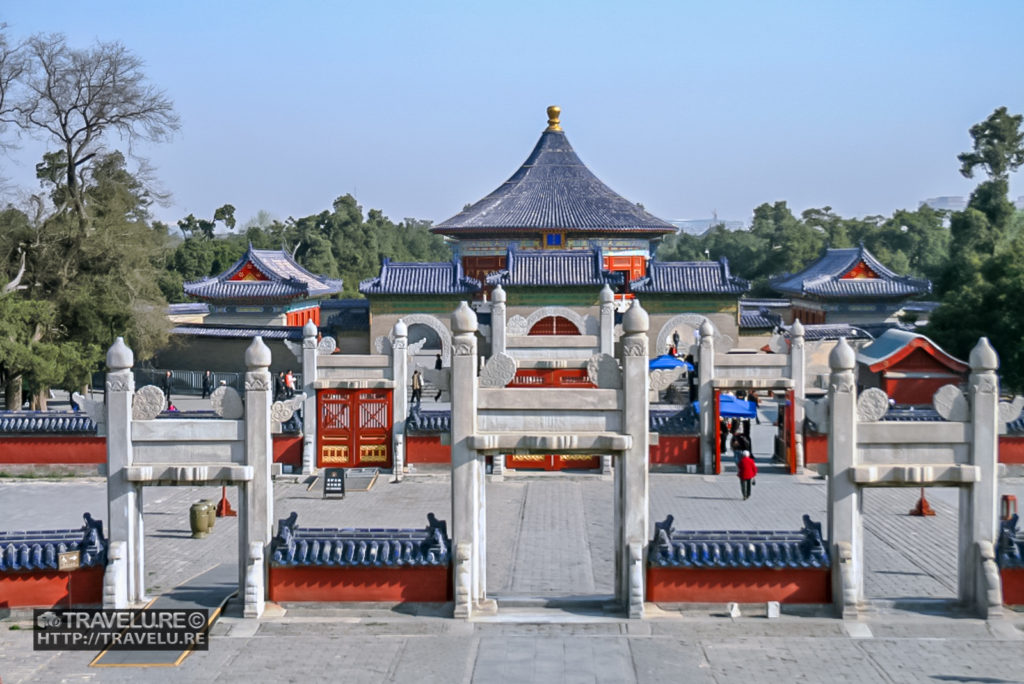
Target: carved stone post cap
635	320
797	329
463	319
607	296
309	330
706	330
257	355
400	329
119	356
498	295
842	356
983	357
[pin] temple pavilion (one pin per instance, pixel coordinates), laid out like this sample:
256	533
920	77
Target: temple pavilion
848	286
553	236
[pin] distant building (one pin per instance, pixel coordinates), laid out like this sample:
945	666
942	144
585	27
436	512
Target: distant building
848	286
946	203
701	226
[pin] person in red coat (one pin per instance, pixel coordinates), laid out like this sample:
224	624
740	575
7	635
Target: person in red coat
747	471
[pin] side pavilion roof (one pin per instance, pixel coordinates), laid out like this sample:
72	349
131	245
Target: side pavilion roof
554	191
894	345
850	273
263	275
690	277
420	278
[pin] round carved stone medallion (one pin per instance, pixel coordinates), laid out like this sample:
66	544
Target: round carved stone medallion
872	404
227	403
148	402
950	403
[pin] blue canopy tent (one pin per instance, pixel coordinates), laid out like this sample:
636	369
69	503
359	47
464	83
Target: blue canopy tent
731	407
666	361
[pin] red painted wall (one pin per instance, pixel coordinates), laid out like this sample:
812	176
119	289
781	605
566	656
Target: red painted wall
754	585
915	391
71	449
1011	449
429	584
288	449
675	450
426	449
1013	586
815	448
74	450
50	589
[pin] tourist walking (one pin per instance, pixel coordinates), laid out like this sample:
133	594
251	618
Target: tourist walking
166	386
279	386
207	384
747	471
740	444
438	364
289	384
417	387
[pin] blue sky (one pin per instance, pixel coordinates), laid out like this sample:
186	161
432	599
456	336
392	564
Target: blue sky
687	107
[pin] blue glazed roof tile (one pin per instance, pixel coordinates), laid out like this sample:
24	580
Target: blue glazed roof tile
286	280
554	268
45	422
554	191
428	422
359	547
268	332
832	331
823	278
738	548
689	277
187	308
22	551
445	277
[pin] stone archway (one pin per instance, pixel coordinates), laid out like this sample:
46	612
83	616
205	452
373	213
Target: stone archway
434	324
687	324
520	326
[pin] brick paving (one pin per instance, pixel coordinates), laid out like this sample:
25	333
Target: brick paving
550	535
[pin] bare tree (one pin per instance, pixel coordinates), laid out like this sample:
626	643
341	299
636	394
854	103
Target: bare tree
77	97
12	69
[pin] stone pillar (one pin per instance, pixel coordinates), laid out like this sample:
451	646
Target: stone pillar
254	529
979	502
607	335
705	394
498	318
468	472
309	408
400	398
798	373
125	577
845	532
631	485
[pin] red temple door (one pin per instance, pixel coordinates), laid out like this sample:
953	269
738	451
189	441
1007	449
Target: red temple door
353	428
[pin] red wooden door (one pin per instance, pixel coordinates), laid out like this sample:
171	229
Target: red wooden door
553	461
353	428
790	436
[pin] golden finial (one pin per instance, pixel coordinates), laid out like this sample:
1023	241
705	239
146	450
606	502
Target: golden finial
553	113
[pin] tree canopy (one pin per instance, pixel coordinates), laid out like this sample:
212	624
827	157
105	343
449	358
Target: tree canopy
340	243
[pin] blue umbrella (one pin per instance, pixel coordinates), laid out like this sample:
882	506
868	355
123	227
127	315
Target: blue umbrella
666	361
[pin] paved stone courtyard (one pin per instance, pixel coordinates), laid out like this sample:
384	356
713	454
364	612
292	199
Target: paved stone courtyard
549	536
